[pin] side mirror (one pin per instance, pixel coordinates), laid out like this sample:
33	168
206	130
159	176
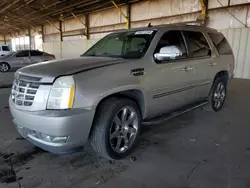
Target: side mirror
168	53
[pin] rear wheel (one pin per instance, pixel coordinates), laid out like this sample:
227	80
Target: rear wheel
116	128
4	67
218	94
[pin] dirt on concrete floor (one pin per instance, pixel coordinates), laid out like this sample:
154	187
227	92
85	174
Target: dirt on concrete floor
199	149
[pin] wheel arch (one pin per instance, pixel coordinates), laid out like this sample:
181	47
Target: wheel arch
135	95
223	73
6	63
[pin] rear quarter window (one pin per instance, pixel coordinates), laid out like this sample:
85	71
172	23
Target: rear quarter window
36	53
221	43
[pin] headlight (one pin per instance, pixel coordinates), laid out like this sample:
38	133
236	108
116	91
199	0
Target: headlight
62	93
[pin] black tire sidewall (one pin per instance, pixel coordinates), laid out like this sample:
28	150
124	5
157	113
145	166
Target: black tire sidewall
211	98
121	104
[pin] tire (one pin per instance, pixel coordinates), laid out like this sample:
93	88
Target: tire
4	67
218	94
112	127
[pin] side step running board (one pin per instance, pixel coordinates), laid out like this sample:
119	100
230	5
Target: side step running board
168	116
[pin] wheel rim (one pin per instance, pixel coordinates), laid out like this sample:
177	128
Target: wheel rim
4	67
219	95
123	130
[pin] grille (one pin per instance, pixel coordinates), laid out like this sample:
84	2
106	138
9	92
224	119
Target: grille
23	92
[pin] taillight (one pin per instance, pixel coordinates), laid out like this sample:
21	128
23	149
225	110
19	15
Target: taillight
53	57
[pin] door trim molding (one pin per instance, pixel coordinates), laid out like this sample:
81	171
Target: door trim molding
163	94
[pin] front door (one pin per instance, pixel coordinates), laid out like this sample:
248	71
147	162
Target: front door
171	80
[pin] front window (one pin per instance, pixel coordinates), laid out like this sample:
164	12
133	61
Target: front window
131	44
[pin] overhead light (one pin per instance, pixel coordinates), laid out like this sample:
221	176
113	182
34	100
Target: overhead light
6	19
61	18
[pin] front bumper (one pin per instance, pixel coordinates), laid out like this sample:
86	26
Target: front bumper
74	124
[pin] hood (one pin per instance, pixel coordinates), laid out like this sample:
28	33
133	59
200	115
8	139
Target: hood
49	70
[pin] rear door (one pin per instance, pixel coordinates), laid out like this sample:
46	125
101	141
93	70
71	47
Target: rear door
221	47
203	59
36	56
21	59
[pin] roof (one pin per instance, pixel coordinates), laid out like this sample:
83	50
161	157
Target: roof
22	14
173	26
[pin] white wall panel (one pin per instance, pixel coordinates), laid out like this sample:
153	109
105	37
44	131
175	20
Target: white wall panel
49	29
98	36
107	17
236	2
73	24
162	8
239	39
222	19
52	37
167	20
70	49
215	3
108	28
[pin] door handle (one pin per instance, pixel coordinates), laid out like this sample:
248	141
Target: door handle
212	64
188	68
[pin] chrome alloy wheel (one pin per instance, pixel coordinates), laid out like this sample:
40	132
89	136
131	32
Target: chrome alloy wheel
219	95
123	130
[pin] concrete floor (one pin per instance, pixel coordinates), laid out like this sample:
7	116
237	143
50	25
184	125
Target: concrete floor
199	149
6	79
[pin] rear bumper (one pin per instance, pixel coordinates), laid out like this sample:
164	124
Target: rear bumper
74	124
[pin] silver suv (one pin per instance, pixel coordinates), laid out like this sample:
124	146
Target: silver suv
126	79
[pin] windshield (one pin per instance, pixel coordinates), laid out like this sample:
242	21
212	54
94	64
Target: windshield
131	44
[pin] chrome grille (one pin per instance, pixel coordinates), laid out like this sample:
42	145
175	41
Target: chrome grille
23	92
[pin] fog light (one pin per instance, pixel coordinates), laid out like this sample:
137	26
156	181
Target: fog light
53	139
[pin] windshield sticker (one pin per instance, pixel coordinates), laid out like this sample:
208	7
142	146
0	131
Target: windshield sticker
144	32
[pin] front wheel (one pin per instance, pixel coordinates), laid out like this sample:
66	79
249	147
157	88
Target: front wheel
116	128
218	94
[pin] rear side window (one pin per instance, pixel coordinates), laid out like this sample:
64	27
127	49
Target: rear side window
23	54
6	48
221	43
36	53
197	44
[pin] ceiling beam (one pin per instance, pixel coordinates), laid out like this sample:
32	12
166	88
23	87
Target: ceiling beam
8	6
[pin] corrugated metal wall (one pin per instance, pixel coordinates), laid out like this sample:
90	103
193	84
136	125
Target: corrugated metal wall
239	39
